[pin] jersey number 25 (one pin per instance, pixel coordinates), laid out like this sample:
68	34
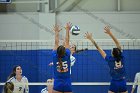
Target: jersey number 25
64	65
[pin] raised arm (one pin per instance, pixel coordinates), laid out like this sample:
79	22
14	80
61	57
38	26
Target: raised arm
89	37
56	30
68	25
107	31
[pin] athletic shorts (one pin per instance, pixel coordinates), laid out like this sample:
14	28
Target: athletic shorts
62	85
118	86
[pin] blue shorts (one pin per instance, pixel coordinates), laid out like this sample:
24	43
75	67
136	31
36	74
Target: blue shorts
118	86
62	85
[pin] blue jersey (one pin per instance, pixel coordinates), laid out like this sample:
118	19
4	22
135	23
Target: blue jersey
117	69
58	74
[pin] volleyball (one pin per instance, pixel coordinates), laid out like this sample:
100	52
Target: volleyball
75	30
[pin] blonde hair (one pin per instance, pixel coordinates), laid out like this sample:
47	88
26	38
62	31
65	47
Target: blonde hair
8	87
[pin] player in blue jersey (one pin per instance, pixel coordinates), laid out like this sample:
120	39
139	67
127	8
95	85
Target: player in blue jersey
61	63
115	63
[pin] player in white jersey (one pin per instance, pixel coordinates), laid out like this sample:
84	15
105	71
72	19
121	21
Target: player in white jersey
49	87
136	81
20	82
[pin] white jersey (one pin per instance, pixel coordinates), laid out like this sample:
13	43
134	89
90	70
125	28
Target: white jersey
20	86
137	81
44	90
72	59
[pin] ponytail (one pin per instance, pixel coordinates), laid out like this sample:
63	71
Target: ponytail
60	63
81	50
11	75
60	52
8	87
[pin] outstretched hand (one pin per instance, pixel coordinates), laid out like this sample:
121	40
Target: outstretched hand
56	28
68	26
107	30
88	35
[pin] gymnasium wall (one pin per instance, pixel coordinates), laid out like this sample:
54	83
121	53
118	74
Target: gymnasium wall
38	26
